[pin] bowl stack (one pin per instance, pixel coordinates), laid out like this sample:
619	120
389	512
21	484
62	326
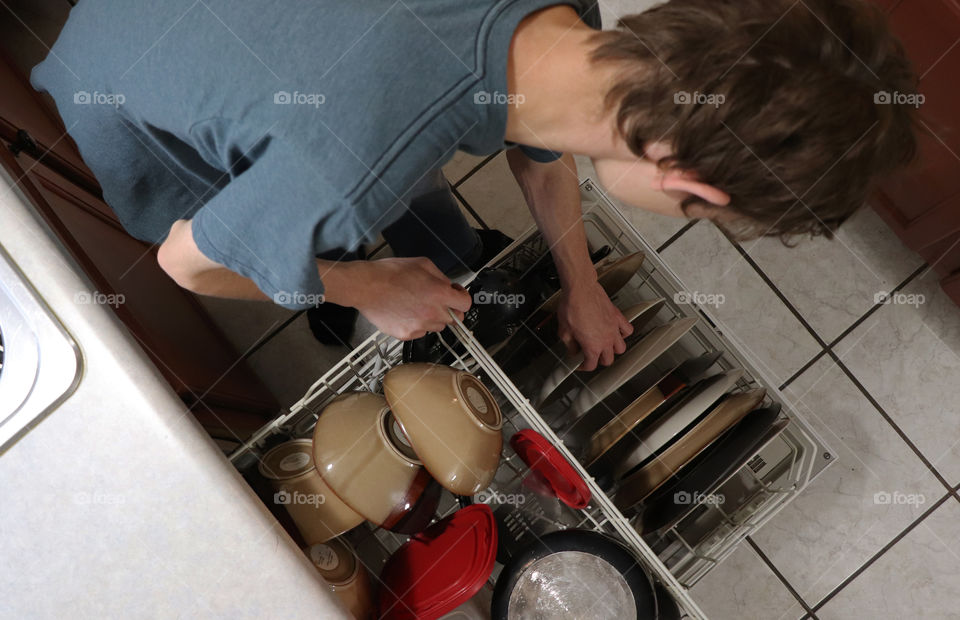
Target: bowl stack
386	458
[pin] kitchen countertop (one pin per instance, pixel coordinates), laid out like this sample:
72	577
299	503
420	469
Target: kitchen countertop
118	504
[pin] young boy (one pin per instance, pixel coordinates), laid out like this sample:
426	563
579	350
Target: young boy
249	139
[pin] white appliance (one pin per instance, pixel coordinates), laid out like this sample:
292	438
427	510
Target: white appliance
115	502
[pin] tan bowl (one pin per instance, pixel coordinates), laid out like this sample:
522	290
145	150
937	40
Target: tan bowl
363	456
340	567
315	509
452	420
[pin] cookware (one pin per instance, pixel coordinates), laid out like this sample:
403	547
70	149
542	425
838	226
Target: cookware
635	359
643	406
573	574
668	425
544	459
638	315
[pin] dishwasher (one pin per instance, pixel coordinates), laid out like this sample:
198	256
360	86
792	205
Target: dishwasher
675	557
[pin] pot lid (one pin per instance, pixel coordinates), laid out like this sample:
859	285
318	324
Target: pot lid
440	568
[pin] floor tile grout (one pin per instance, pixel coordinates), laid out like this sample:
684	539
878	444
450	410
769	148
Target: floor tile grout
828	350
663	246
886	416
763	556
876	307
849	329
475	169
776	291
803	369
268	337
896	539
469	208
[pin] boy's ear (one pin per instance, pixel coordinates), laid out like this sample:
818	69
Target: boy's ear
683	181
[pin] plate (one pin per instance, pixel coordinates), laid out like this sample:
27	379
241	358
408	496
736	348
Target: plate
638	315
663	393
648	478
691	406
635	359
612	274
705	473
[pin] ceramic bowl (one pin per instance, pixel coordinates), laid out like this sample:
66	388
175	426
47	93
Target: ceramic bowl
364	457
452	421
338	564
315	509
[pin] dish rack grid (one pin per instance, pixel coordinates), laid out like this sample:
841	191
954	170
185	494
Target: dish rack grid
363	370
711	532
674	557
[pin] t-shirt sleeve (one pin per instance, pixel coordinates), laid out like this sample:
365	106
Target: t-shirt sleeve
271	221
542	156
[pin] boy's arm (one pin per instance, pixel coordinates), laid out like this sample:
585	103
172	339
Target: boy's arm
587	317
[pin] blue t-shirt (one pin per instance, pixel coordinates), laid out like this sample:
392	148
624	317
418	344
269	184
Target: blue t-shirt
283	128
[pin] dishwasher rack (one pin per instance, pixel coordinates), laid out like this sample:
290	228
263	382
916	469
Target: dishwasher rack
677	557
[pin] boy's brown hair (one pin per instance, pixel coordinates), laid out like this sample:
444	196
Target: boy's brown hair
794	109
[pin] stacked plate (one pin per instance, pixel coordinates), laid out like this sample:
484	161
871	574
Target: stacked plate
646	433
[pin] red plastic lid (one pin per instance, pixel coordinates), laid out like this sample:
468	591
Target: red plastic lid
542	457
440	568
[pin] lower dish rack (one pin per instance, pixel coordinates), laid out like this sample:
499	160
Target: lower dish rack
676	557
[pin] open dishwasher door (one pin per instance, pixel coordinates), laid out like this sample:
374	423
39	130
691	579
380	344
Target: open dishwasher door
116	504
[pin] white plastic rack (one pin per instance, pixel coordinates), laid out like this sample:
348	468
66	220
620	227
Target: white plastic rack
677	557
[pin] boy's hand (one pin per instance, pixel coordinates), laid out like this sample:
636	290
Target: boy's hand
402	297
588	320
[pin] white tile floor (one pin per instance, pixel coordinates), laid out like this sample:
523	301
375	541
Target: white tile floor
878	381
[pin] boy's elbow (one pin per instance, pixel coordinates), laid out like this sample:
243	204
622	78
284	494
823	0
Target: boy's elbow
174	259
